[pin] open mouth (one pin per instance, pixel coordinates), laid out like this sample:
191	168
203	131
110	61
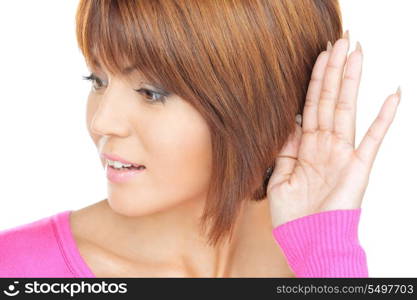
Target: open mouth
128	168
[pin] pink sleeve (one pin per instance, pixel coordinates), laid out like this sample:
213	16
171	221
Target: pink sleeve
323	244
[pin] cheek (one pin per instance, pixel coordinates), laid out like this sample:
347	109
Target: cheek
180	154
91	108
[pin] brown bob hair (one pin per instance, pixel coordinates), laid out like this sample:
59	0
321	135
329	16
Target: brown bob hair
245	65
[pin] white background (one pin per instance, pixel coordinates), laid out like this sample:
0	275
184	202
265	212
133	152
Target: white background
49	163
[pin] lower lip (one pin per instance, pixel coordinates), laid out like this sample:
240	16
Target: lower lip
122	175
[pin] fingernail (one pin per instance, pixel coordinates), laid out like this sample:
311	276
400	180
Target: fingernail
358	47
346	36
399	93
329	46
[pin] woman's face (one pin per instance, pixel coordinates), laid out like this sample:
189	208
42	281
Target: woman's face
170	139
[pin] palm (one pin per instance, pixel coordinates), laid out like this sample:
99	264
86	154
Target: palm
326	171
324	162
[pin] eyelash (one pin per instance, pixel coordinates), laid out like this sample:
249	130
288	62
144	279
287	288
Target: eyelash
93	78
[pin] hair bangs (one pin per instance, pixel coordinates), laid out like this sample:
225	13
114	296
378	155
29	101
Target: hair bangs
112	36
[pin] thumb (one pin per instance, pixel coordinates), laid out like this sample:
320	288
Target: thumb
285	162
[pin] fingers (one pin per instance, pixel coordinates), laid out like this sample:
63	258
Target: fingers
331	84
369	146
345	112
313	92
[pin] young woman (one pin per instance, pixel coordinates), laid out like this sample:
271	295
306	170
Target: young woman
227	132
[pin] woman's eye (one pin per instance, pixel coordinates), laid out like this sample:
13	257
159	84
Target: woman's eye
152	96
95	80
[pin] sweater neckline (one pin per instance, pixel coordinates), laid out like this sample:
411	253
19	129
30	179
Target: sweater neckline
68	245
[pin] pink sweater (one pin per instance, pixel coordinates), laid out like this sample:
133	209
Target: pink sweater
319	245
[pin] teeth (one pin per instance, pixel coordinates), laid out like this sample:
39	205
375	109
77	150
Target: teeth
117	164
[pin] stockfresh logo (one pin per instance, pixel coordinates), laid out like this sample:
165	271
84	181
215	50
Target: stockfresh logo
11	289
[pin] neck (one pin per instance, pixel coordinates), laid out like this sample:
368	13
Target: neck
173	237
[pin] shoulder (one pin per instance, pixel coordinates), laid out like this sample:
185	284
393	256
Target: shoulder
31	249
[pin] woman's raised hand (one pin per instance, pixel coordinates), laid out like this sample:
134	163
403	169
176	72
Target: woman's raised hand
319	168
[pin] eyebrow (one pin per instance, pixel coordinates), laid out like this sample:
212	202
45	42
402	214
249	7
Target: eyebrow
128	70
